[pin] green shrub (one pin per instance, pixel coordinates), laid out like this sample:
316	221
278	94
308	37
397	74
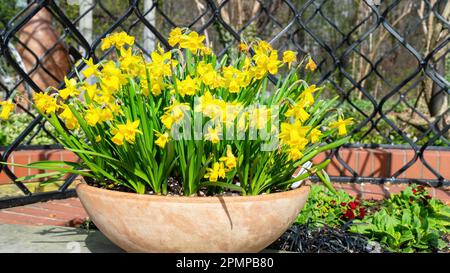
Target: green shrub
10	129
325	207
410	221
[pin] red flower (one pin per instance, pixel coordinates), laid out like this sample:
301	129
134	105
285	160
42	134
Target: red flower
421	188
362	212
428	196
352	205
414	191
357	202
343	204
349	214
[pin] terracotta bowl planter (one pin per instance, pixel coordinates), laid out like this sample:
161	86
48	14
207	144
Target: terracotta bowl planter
147	223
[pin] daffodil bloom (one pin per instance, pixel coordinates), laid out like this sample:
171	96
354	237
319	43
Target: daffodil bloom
266	63
45	103
230	160
187	86
91	90
162	139
294	135
7	108
126	132
341	125
175	36
161	65
217	171
306	97
311	65
69	118
213	135
243	47
289	57
118	40
263	48
174	114
206	50
314	135
298	112
209	76
92	116
294	154
193	41
129	62
91	69
70	90
98	138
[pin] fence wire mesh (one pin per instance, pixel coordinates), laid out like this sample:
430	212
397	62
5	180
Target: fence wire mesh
387	60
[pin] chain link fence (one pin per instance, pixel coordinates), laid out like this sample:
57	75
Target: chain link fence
387	60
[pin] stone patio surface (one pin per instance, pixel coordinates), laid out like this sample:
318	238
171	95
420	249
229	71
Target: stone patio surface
53	239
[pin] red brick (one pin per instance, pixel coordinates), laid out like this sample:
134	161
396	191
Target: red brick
319	158
374	191
349	156
16	218
354	189
363	164
46	213
76	212
398	160
433	160
69	156
333	168
444	167
381	161
415	170
70	202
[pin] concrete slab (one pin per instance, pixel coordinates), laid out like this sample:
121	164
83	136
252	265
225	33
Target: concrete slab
52	239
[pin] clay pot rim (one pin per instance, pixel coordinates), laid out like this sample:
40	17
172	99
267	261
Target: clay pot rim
194	199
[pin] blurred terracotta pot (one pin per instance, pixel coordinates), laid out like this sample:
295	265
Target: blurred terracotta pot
148	223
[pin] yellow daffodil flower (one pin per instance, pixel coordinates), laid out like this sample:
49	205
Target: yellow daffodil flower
314	135
175	36
91	69
306	97
69	118
92	116
7	108
311	65
162	139
216	172
289	57
45	103
230	160
187	86
298	112
126	132
213	135
70	90
193	41
341	125
119	40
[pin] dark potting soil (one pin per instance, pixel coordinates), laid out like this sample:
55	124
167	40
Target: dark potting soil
307	239
174	188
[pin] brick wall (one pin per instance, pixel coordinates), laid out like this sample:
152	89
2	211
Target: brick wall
28	156
386	162
367	162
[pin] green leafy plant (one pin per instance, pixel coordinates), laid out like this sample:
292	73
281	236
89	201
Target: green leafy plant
331	208
10	129
409	221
